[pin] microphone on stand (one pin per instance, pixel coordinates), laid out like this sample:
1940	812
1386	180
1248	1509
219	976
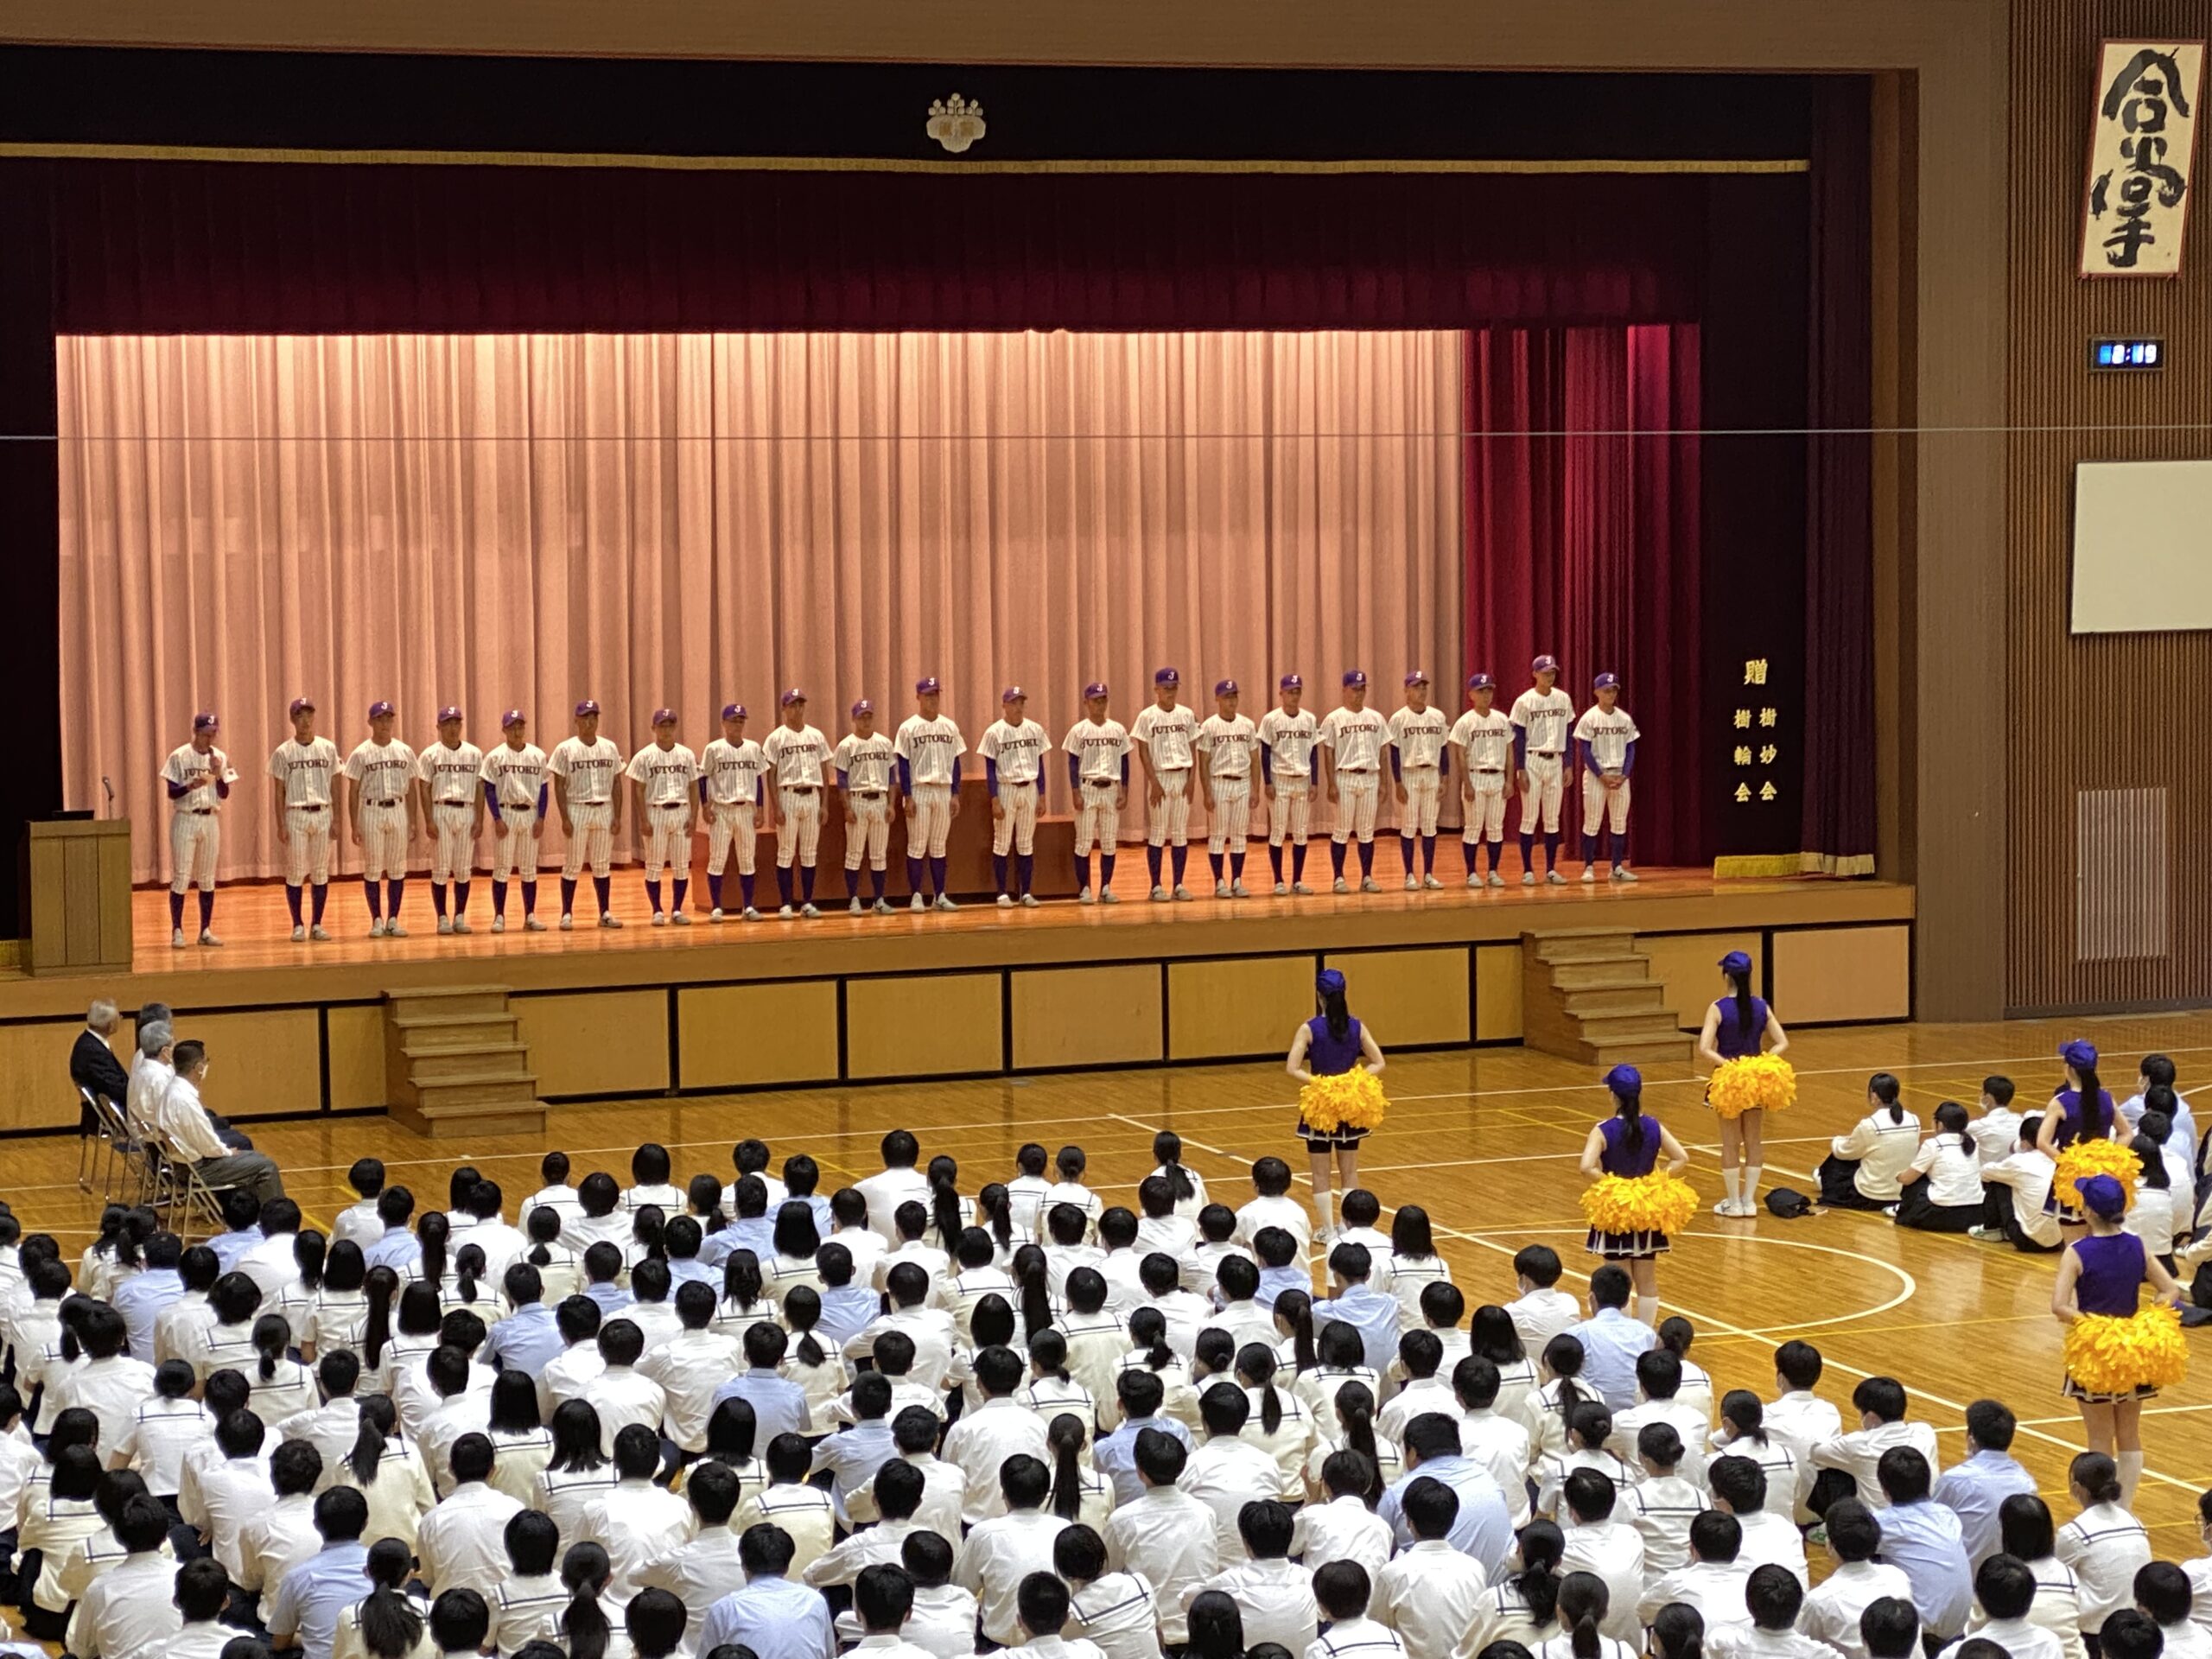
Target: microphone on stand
109	789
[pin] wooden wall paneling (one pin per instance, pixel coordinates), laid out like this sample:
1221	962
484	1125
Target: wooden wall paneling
1824	974
354	1041
930	1025
35	1092
1498	993
740	1036
265	1061
596	1042
1687	964
1087	1016
1245	1006
1410	997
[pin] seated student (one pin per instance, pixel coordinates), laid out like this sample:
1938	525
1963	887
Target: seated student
1343	1591
1848	1461
1111	1610
308	1605
1890	1629
1070	1164
1587	1608
599	1217
1431	1595
912	1243
1856	1581
1739	1489
1997	1131
1939	1191
1925	1539
650	1166
2015	1191
1773	1596
2157	1071
897	1182
1272	1206
1003	1551
2162	1595
2104	1544
1658	1390
1861	1170
1374	1313
556	1194
1283	1267
1274	1594
1662	1505
2004	1591
1599	1540
1589	1426
1216	1243
1162	1225
751	1156
1361	1209
1975	1489
1715	1579
1612	1341
634	1521
1744	1432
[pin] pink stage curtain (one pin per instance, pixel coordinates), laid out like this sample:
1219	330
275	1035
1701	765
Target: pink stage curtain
686	519
1583	542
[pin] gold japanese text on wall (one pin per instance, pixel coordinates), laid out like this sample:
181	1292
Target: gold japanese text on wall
1754	731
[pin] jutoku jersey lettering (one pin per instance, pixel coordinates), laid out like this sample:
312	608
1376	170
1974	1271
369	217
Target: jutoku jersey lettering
1608	732
1289	741
667	776
1356	737
1544	717
1018	754
1419	736
1100	748
1487	741
381	775
797	758
1168	736
1226	746
931	749
195	833
450	776
591	772
306	771
516	782
733	785
866	764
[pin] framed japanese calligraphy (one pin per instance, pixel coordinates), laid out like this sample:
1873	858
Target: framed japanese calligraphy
2142	144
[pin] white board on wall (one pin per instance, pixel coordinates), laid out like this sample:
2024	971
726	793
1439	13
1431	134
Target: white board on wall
2142	546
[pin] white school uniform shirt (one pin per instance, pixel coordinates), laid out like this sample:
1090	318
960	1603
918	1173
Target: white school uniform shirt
1355	738
1546	717
1276	1599
668	775
928	747
733	771
1115	1613
111	1390
1227	745
1431	1595
381	772
982	1441
1714	1588
2022	1638
1952	1168
276	1540
2029	1173
1289	741
129	1612
305	770
2151	1220
623	1396
1771	1540
996	1555
1661	1509
1227	1473
688	1367
451	774
1541	1315
1100	747
462	1543
1501	1444
1831	1608
1884	1147
1168	735
1018	750
1994	1134
1857	1452
698	1572
1779	1460
885	1192
588	769
1358	1638
1167	1537
638	1523
866	762
1419	736
155	1441
1487	738
2104	1546
1750	1642
517	776
1342	1529
1285	1212
1608	734
1613	1549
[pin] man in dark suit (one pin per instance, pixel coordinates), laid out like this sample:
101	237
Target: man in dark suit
92	1063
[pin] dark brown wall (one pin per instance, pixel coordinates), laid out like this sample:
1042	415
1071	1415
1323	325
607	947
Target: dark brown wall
2111	711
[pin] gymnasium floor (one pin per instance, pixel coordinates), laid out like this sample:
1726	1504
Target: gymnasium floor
1488	1140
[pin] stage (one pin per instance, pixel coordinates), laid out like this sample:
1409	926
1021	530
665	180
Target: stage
641	1011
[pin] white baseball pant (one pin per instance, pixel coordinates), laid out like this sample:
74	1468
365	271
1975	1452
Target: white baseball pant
1547	781
454	851
1357	792
1292	812
1485	815
194	837
798	826
1098	817
667	840
931	822
1015	829
869	832
729	823
591	840
306	845
1231	823
518	849
1600	804
1169	824
384	842
1424	787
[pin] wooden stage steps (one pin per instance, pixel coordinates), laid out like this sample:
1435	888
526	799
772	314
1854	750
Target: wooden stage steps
1588	995
456	1063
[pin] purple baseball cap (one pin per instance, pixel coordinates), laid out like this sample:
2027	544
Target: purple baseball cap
1167	676
795	695
302	706
1354	677
1607	682
2104	1194
2081	1055
1290	683
588	706
451	711
381	710
732	711
862	706
1014	693
926	684
1735	962
1624	1080
1418	676
1544	665
663	717
1481	683
1225	688
1328	983
1095	689
514	717
205	722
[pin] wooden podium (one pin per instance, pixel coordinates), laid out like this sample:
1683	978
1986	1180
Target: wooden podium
77	884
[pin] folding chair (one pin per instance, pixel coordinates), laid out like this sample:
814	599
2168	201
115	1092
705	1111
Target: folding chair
90	1128
192	1198
139	1161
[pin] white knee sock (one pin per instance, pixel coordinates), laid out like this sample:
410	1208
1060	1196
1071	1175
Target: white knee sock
1322	1202
1647	1309
1751	1187
1728	1182
2130	1474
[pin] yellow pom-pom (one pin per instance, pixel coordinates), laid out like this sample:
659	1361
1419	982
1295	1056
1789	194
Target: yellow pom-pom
1352	1100
2106	1354
1656	1203
2083	1159
1766	1081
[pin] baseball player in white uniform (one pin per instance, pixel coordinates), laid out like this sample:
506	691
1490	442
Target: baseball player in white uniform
302	776
1013	773
1287	734
380	815
665	773
1165	734
929	748
452	772
515	792
864	761
1419	763
1354	736
1225	742
1484	737
587	772
1607	738
1541	718
731	790
199	776
799	756
1098	777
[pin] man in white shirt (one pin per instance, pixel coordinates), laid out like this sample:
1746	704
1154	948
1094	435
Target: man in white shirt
1739	1486
689	1366
1541	1312
983	1442
929	1329
184	1124
883	1599
102	1381
1714	1580
1042	1615
703	1569
1165	1535
1658	1381
131	1609
463	1542
564	1376
226	1496
1797	1417
897	1182
151	1070
1599	1541
1499	1443
1833	1606
1274	1594
620	1394
283	1534
1003	1550
1430	1594
1880	1402
634	1521
1344	1528
893	1494
1226	1470
1343	1591
2014	1189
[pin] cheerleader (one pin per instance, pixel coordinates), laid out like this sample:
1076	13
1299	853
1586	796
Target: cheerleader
1627	1146
1330	1044
2082	1111
1735	1025
2101	1278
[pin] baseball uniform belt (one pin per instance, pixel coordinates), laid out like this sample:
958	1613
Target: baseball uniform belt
1356	772
1100	783
869	794
394	801
800	789
1547	755
1495	771
200	812
305	807
1418	768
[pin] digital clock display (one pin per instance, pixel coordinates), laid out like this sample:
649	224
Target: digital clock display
2127	355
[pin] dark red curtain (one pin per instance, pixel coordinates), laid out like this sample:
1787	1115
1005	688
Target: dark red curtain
1583	542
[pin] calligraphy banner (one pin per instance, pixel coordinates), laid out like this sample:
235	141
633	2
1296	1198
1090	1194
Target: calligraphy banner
2143	133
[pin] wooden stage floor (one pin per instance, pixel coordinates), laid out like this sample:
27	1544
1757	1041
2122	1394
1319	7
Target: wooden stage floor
1488	1140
